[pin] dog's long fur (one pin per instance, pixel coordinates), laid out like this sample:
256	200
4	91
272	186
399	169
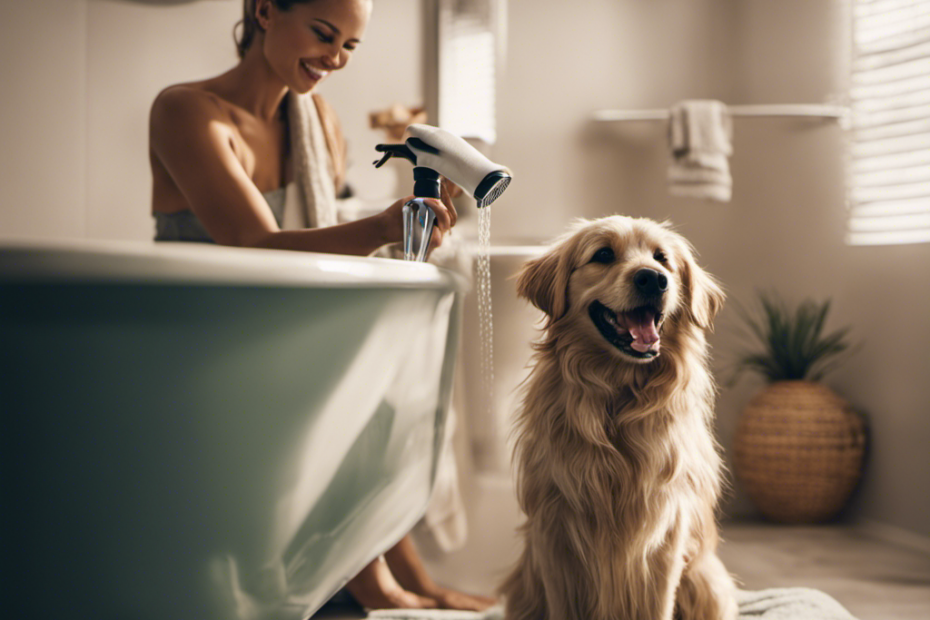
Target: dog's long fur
618	472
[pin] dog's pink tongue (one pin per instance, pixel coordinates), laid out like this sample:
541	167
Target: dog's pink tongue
643	329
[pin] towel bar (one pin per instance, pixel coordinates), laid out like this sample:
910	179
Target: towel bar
795	110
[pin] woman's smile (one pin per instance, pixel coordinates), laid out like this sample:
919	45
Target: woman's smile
312	73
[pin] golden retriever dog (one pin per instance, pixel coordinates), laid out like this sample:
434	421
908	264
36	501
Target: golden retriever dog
618	471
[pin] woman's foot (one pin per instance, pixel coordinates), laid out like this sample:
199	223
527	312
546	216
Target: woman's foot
375	588
451	599
405	564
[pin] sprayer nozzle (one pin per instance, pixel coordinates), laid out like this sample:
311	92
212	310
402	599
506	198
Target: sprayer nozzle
491	187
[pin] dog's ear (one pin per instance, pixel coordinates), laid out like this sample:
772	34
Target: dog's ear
544	282
705	296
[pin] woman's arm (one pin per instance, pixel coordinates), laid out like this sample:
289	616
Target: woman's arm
194	142
364	236
361	237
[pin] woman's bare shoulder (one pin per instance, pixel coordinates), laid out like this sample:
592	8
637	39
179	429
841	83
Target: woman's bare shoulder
180	104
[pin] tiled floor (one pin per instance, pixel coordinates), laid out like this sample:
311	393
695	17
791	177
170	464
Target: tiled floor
872	578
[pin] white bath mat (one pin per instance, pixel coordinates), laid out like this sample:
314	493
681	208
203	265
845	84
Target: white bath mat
494	613
772	604
789	604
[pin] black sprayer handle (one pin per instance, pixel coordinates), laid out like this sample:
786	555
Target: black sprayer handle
402	150
426	180
394	150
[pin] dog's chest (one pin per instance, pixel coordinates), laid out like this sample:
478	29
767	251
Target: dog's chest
649	516
651	487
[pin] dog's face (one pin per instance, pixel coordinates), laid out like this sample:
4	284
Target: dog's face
623	284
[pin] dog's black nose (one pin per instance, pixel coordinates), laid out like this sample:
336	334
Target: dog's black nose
650	283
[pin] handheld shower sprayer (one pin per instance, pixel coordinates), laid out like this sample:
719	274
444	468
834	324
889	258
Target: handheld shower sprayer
436	152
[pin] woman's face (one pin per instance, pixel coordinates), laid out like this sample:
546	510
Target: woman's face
310	40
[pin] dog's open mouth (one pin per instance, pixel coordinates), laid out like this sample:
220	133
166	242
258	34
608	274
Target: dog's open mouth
634	332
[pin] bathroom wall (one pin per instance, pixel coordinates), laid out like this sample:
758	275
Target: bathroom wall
42	118
133	51
784	228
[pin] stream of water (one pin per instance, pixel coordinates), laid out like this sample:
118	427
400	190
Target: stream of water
485	324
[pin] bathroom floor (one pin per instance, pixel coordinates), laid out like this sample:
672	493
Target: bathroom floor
872	578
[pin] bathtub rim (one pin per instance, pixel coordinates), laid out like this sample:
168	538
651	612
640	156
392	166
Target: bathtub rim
24	260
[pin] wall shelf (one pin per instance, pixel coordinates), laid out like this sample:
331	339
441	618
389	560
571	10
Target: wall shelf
827	112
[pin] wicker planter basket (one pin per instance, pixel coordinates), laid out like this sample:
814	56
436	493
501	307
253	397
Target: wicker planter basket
798	451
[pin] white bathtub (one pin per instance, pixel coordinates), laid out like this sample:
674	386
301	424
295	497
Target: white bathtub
195	432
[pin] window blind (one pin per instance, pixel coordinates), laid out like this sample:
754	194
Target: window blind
889	175
467	63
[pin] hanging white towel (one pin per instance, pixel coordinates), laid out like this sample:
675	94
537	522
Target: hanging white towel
700	134
313	204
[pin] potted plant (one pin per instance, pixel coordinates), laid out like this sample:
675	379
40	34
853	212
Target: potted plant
799	447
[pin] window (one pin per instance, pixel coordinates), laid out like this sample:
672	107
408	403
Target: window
469	43
889	173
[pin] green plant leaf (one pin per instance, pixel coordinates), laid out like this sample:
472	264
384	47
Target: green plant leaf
792	340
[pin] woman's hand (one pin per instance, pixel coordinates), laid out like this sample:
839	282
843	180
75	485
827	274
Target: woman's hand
393	223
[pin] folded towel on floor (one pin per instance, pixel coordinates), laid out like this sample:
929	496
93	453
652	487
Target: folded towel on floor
790	604
700	133
772	604
494	613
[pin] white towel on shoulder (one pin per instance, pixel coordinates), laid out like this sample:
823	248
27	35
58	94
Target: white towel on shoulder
700	134
313	205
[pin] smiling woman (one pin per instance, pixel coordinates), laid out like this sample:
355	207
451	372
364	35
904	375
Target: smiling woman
248	158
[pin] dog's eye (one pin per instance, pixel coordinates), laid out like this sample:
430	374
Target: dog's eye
604	255
660	256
